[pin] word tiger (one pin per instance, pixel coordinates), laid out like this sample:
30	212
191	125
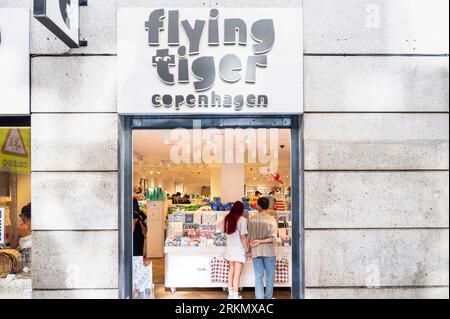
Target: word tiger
205	69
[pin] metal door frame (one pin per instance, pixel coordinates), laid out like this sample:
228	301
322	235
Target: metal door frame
128	123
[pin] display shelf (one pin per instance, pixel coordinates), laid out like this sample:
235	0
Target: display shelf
189	267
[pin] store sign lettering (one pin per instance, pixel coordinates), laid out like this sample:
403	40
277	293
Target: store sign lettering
61	17
209	60
230	67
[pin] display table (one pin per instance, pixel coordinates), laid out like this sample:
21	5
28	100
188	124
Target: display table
189	267
13	288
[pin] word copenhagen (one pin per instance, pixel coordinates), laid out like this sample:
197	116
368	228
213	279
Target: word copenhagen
184	64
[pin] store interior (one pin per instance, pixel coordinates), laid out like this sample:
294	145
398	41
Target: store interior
15	214
184	183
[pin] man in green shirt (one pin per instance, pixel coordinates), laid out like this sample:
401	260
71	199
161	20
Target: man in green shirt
262	232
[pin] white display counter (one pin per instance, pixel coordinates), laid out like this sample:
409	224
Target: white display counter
12	287
189	267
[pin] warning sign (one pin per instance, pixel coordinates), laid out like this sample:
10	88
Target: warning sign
13	144
15	150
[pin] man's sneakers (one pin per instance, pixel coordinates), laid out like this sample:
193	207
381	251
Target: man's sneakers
233	295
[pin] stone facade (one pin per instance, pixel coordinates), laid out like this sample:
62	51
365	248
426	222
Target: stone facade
376	136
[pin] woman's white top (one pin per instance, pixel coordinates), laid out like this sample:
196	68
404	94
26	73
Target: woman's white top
235	248
25	242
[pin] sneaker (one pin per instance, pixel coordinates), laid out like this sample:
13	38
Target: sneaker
230	293
236	295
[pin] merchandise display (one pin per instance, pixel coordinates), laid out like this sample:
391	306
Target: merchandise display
201	246
209	218
9	261
279	204
205	228
218	206
246	202
189	218
198	217
182	232
220	217
143	287
253	201
155	194
178	217
197	199
186	205
174	229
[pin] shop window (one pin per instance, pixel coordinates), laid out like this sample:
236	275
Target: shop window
184	184
15	212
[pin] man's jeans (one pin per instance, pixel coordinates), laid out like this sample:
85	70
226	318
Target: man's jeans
261	265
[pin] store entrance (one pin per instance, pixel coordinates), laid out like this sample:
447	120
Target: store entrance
181	178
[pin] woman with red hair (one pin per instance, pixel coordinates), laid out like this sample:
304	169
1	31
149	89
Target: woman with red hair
235	228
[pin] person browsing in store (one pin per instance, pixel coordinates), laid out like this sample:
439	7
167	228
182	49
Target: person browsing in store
176	198
262	233
272	199
186	199
235	228
139	229
21	239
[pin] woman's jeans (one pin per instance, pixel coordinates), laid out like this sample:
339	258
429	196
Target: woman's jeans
261	265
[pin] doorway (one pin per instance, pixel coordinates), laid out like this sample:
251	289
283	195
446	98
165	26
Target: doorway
180	172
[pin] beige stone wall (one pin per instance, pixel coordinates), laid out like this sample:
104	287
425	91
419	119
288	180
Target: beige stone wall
376	149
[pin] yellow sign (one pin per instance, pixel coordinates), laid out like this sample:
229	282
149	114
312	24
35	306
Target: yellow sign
15	150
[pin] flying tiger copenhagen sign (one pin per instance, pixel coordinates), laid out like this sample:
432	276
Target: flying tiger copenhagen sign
210	60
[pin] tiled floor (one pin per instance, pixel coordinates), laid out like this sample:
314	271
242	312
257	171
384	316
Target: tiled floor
162	293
